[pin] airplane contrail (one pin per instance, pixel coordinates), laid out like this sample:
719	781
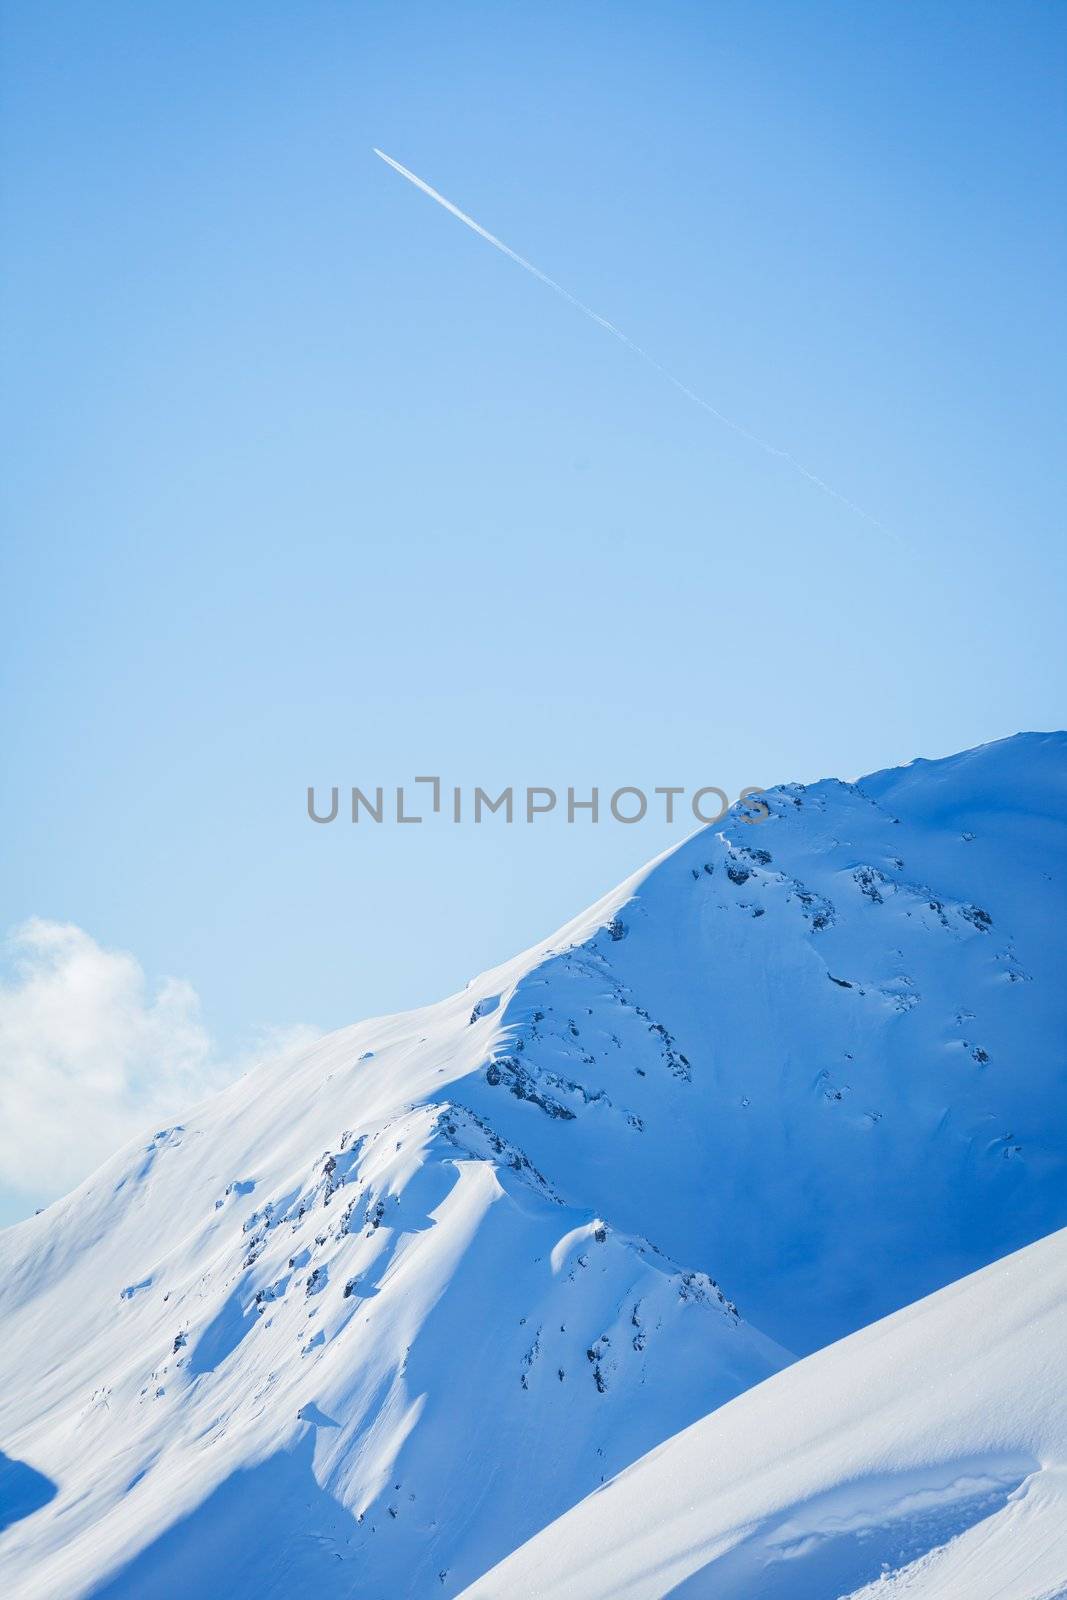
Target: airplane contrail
617	333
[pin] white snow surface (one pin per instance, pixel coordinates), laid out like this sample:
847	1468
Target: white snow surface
924	1457
384	1310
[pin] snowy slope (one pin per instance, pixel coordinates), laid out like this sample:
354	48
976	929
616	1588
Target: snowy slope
373	1364
381	1312
925	1457
865	1030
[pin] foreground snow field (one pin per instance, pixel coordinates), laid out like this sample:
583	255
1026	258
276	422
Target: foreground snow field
380	1313
924	1457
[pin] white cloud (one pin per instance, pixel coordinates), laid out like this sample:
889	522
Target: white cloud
90	1054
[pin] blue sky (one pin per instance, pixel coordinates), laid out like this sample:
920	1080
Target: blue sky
308	484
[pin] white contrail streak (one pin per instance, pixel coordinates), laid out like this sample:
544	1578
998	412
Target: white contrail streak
609	327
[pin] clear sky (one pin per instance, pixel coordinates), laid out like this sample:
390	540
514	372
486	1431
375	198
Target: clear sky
308	484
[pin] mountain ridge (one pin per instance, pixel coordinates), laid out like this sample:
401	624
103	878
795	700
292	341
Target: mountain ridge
814	1060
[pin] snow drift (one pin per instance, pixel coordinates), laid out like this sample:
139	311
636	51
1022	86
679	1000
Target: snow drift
925	1456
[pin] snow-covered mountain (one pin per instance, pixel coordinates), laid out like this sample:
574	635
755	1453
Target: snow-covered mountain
378	1314
925	1457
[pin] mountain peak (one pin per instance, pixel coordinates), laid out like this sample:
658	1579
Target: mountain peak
387	1308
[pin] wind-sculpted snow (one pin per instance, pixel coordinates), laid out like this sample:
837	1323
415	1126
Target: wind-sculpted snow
379	1313
924	1457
